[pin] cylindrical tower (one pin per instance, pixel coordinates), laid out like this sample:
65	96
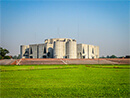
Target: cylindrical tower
58	49
71	49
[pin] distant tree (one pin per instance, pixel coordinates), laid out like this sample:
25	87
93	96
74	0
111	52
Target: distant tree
127	56
121	57
7	57
1	57
113	56
102	57
3	52
18	57
107	56
15	57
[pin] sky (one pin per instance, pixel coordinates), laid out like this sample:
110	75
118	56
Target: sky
97	22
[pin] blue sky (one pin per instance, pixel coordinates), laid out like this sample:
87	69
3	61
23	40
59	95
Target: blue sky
96	22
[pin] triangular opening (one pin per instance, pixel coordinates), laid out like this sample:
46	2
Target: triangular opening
83	51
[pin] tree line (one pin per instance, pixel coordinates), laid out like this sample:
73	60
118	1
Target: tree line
113	56
3	55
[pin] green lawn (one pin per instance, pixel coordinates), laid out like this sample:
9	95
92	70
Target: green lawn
65	81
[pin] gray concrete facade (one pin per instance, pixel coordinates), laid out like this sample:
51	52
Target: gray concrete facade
59	48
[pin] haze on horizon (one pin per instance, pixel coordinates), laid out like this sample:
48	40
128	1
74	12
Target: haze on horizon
101	23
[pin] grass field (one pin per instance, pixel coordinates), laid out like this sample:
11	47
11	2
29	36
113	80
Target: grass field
65	81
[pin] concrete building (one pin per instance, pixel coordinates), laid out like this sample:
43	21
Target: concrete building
59	48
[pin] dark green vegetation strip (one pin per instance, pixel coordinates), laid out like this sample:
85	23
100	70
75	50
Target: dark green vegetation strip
32	68
81	81
106	66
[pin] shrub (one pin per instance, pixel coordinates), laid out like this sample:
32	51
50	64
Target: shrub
7	57
0	57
